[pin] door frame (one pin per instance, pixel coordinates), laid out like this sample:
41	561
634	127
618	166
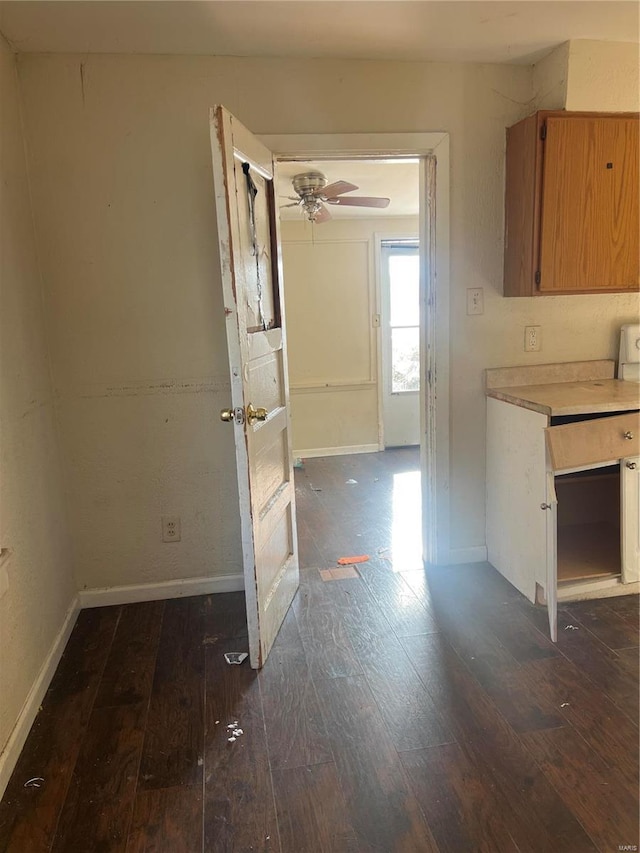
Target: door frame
434	298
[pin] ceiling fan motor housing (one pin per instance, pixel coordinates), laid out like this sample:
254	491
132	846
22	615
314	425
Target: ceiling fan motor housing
308	183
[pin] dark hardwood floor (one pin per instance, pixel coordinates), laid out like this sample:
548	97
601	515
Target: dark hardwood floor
400	710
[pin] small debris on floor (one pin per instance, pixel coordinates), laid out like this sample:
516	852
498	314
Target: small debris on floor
350	561
298	463
338	574
571	628
564	704
210	641
314	488
351	483
234	732
235	657
34	782
382	551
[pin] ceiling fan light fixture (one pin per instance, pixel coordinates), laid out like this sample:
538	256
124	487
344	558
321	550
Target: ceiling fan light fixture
312	208
315	192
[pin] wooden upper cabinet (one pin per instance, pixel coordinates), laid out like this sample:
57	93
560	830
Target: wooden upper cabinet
571	204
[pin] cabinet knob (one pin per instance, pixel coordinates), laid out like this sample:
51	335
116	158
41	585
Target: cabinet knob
545	506
628	435
631	465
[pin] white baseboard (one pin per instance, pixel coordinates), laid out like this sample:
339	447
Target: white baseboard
458	556
131	593
17	738
336	451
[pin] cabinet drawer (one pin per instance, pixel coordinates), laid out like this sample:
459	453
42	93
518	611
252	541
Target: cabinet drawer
593	442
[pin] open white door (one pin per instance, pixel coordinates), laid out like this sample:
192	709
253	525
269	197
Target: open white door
251	268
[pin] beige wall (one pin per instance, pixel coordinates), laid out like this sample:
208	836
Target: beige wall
330	298
589	75
122	189
36	583
603	76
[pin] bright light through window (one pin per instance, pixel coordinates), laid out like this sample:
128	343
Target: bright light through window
404	298
406	530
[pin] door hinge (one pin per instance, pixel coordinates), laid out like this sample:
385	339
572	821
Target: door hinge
543	132
537	277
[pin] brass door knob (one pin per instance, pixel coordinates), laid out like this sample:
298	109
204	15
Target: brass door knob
230	416
237	415
631	465
256	414
628	435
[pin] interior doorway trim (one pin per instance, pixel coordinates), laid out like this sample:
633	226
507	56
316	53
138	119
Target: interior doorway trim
433	150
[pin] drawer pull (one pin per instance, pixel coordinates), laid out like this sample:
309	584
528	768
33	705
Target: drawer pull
628	435
631	465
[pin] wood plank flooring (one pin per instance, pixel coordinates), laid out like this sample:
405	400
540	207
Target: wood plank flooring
400	710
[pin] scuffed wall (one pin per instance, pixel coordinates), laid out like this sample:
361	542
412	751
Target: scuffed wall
550	80
36	581
125	213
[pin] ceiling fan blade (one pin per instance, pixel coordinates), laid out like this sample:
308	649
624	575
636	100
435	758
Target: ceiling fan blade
337	188
322	215
360	201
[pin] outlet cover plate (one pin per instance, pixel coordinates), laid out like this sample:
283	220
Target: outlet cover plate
475	300
171	528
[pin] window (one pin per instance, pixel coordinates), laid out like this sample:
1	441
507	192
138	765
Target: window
404	317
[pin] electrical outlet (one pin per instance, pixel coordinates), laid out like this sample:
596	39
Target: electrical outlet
532	338
475	300
171	528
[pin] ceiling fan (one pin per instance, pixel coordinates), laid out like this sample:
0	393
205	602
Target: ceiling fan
313	194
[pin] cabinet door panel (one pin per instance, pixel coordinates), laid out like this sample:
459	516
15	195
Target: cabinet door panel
590	224
630	499
551	591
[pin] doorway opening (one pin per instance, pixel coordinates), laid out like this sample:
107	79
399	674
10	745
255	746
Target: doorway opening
433	327
353	265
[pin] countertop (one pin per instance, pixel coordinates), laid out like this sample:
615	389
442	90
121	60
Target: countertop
572	398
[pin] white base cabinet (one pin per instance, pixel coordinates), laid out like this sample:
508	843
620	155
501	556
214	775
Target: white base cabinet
563	504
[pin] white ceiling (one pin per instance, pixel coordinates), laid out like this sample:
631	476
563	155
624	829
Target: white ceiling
395	180
457	30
